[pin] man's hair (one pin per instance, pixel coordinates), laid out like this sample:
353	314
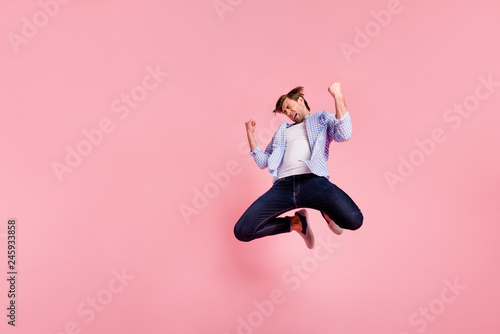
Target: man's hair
294	94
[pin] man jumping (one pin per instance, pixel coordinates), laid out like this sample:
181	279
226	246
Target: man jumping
297	158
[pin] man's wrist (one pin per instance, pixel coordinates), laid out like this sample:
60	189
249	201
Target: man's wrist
338	97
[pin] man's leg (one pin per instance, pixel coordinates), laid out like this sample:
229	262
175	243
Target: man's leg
260	219
320	194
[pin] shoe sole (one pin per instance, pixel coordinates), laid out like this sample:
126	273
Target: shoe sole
309	236
335	228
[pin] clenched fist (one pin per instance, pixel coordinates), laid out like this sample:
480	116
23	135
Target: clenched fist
250	125
335	89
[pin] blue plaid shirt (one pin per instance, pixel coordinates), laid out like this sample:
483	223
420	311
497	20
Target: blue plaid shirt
322	127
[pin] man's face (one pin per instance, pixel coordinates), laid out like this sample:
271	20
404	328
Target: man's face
295	110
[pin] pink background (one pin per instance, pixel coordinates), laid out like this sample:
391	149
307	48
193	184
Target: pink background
120	208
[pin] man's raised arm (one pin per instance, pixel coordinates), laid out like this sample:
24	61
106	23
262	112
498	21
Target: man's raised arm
256	152
341	130
336	90
250	125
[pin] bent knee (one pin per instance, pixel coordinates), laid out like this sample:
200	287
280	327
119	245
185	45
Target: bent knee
351	221
241	234
356	220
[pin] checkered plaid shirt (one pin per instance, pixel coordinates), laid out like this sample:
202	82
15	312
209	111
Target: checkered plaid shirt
322	127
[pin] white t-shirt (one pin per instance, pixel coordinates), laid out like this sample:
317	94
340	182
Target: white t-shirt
297	149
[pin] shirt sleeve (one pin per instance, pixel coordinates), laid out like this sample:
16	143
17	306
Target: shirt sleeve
342	128
261	157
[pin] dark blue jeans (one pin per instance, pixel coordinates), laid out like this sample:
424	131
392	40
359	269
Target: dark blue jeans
293	192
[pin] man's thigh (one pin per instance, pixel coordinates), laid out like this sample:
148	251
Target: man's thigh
271	204
320	194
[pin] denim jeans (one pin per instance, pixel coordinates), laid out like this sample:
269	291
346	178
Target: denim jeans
293	192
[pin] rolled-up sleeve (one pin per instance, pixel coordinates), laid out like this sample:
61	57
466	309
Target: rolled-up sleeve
342	128
261	157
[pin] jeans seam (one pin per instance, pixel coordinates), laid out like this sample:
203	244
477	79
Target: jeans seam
295	194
